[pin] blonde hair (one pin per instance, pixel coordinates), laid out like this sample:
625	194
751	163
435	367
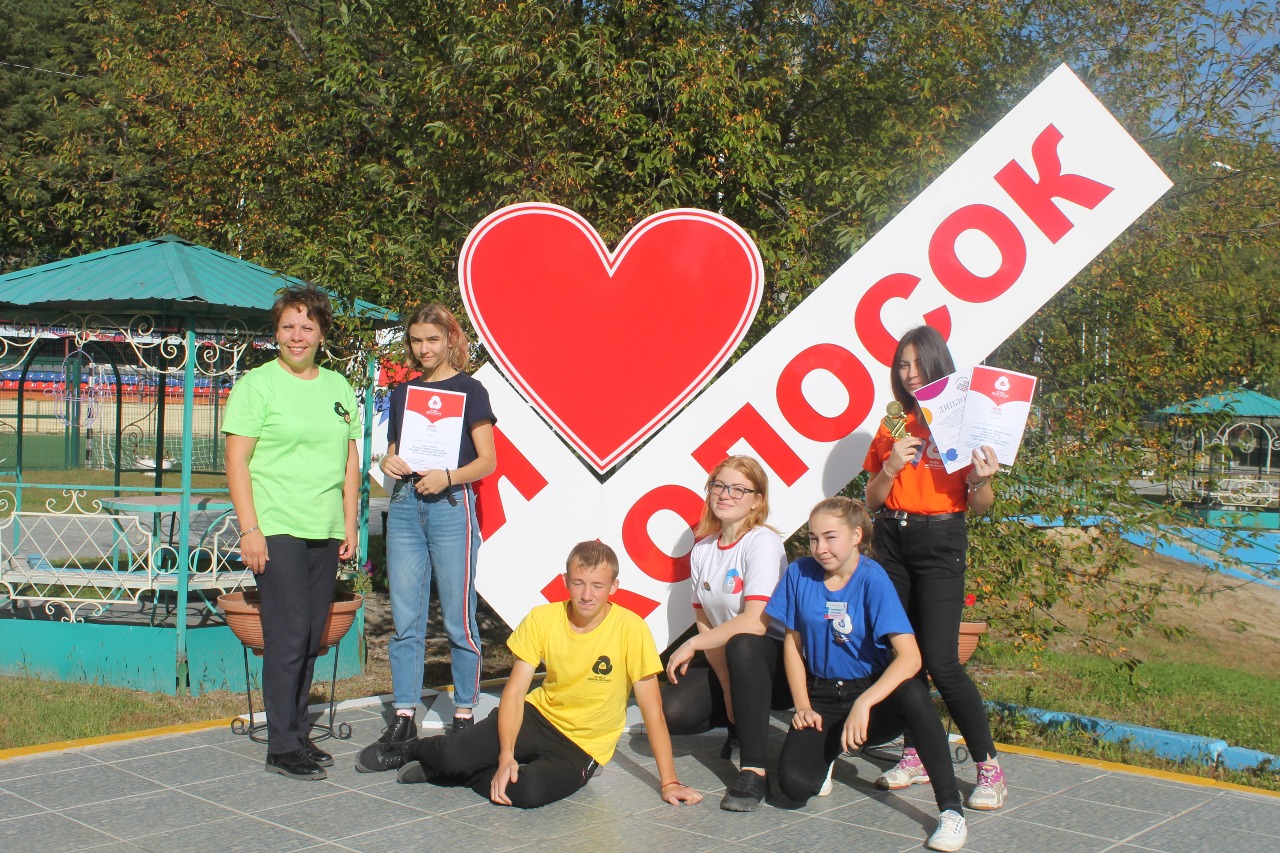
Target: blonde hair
754	472
441	317
853	513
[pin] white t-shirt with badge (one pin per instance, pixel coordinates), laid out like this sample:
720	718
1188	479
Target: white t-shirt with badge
725	579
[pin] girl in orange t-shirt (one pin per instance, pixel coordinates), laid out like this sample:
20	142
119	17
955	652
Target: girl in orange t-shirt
921	540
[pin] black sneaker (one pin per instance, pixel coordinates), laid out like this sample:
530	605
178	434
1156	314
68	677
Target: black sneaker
747	793
316	754
388	752
461	724
413	773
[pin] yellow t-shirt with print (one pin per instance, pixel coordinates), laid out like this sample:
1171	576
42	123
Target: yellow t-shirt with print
589	676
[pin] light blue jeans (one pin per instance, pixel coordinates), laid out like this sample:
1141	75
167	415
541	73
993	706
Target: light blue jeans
429	536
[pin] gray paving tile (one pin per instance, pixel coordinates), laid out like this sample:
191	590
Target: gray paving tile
818	833
706	818
1089	818
427	799
140	747
69	788
1145	794
1038	774
340	815
1246	812
184	766
431	833
49	833
49	762
147	814
632	835
255	790
620	791
1190	834
1002	834
888	814
234	835
13	806
565	817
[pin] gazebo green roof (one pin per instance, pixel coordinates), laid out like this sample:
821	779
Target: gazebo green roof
1241	403
165	276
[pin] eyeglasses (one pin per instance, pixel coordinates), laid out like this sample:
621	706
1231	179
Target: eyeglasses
737	493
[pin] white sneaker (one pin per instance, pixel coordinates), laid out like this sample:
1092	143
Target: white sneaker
907	772
951	833
827	785
991	789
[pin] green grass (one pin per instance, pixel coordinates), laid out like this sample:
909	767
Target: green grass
36	711
1193	698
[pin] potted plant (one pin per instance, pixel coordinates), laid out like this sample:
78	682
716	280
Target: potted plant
243	612
970	632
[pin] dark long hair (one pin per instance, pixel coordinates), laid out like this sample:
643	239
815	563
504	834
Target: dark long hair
932	356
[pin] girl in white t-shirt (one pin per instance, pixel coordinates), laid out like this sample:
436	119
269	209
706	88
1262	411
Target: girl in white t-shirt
736	563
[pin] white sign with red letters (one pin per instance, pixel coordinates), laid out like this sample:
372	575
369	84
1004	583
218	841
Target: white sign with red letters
609	346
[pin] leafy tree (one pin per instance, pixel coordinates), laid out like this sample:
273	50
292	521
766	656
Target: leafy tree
357	143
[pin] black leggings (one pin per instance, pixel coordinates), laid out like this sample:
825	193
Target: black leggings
926	563
551	766
758	683
807	753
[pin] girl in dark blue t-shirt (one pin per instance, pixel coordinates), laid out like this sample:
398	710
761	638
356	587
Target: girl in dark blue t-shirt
850	657
432	529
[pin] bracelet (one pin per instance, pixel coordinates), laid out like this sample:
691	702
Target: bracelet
253	529
977	487
669	784
447	477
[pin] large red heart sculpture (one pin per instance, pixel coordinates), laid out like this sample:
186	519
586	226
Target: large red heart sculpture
609	345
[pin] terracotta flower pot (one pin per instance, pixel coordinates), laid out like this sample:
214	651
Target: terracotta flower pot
970	632
243	612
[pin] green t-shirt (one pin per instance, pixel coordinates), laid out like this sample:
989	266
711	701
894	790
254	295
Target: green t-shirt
299	464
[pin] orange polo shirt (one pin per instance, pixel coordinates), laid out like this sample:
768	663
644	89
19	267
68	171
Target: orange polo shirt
923	489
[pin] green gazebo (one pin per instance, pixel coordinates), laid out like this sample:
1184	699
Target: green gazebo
123	336
1238	481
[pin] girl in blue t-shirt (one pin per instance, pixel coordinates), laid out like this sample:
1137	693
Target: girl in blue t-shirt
850	657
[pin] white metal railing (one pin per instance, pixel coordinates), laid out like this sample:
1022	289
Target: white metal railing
86	562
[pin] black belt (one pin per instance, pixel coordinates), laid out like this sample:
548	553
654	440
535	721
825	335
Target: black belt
905	518
858	683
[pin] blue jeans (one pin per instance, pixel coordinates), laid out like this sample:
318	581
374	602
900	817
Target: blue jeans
425	536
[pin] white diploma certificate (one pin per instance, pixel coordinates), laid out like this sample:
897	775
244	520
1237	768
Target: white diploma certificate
431	429
996	412
970	408
943	405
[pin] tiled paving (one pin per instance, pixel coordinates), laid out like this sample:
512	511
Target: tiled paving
206	791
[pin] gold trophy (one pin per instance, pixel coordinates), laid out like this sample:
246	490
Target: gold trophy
895	421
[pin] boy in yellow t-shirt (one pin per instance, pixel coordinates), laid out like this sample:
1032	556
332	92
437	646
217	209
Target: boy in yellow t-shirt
541	746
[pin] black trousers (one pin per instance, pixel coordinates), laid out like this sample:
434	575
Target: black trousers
926	563
551	766
758	683
296	591
806	753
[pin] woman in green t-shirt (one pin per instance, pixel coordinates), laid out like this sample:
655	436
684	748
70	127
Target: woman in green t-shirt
294	476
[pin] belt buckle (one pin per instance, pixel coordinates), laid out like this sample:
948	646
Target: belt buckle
899	516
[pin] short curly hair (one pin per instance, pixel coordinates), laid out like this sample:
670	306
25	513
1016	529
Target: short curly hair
308	298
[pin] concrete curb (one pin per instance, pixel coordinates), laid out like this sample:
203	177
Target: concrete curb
1174	746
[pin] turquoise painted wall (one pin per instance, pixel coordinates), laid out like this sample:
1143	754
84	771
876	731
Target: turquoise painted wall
143	658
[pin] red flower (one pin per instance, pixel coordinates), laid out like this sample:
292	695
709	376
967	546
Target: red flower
970	600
